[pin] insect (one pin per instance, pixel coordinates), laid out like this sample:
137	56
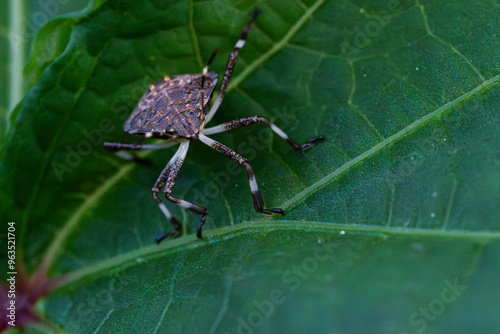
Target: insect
176	109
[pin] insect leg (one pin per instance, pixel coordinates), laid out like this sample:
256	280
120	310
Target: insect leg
256	119
258	202
119	148
168	178
170	172
191	207
114	147
230	66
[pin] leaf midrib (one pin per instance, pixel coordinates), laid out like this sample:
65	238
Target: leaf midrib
153	252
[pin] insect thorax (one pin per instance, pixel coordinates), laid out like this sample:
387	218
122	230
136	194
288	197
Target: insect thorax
172	107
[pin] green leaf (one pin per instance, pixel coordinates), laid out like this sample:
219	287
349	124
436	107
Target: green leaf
392	224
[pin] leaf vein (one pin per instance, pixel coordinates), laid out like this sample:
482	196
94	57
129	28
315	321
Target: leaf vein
300	197
355	107
194	38
62	235
157	327
224	306
103	321
442	41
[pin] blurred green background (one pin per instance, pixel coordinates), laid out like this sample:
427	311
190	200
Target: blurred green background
19	22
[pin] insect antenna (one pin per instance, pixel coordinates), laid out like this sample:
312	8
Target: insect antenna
231	64
204	73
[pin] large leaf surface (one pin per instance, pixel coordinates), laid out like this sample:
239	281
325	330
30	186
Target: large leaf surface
392	225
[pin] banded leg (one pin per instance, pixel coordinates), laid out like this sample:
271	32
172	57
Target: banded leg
256	119
230	65
167	179
119	149
258	202
190	206
168	176
114	147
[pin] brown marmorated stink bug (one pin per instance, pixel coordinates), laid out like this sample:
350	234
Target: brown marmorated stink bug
176	109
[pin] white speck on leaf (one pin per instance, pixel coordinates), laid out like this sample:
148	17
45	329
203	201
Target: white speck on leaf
417	246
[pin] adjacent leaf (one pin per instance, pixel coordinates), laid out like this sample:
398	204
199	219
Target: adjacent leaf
21	20
11	61
392	225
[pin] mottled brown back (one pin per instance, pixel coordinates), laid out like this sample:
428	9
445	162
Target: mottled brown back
172	106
